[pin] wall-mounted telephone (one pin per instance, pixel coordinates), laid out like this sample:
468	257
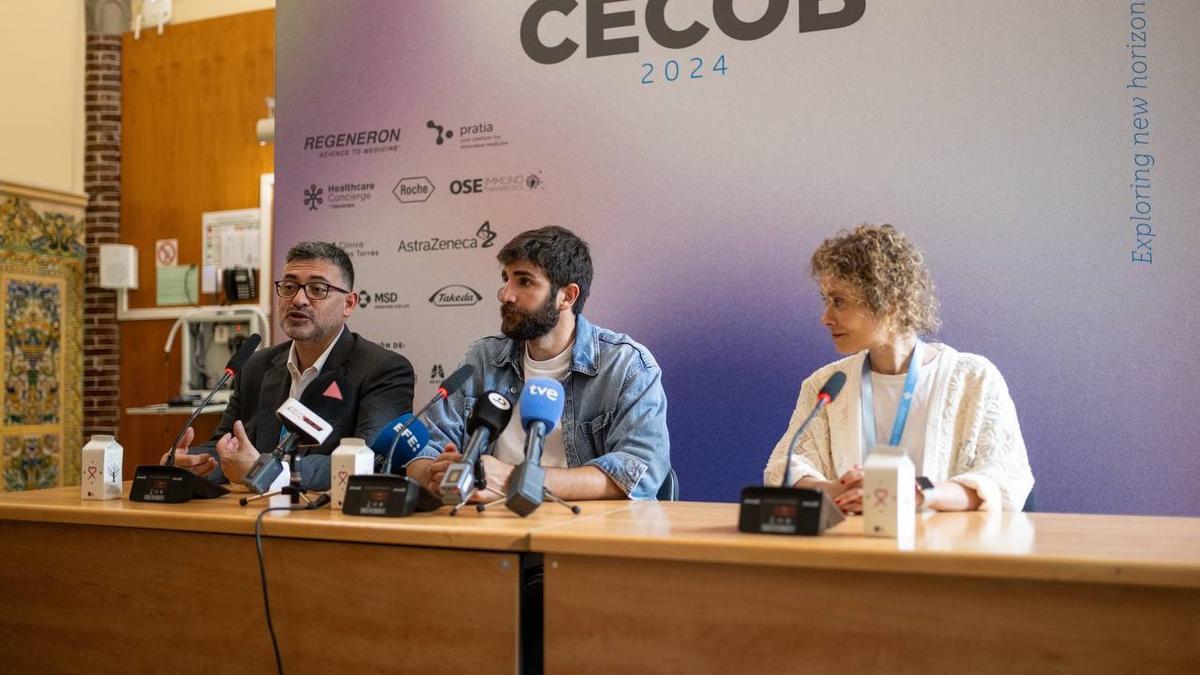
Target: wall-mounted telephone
240	283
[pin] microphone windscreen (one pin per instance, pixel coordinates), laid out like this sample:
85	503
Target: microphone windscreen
411	440
493	410
541	401
243	354
833	386
457	379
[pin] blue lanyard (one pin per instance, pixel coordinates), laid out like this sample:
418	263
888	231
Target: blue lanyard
868	400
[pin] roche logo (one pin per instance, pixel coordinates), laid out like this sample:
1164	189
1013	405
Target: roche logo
442	134
455	295
413	189
485	234
312	197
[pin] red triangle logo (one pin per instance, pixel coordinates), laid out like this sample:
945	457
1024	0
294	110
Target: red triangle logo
333	391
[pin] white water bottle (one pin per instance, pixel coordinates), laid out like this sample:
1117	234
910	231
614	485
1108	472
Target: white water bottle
889	493
351	458
100	468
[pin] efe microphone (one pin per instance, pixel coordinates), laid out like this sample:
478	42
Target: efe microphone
449	385
488	419
172	484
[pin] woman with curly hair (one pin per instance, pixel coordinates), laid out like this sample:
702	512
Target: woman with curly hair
950	411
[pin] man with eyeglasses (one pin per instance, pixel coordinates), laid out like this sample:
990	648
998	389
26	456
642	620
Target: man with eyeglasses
612	442
314	299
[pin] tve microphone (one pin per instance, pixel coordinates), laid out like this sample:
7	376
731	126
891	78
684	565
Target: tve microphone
404	434
488	418
308	421
541	409
172	484
786	509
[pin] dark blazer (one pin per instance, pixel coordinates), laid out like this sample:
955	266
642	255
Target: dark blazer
382	387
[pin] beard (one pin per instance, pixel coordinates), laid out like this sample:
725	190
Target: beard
518	324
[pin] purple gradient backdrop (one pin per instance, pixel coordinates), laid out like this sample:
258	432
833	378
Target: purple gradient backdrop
998	137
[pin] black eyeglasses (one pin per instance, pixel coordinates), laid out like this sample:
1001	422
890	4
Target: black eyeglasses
315	290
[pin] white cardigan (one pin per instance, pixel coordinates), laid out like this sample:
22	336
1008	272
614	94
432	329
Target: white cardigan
972	435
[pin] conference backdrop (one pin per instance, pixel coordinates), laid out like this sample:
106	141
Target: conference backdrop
1043	155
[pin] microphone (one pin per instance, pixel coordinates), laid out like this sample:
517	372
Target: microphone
541	409
406	433
786	509
234	365
449	385
833	387
489	417
308	421
167	483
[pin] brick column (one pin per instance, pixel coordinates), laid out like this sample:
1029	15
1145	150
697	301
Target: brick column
102	182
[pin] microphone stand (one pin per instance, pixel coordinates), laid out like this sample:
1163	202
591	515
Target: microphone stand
293	490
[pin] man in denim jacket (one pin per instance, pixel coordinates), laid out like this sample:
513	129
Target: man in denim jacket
612	442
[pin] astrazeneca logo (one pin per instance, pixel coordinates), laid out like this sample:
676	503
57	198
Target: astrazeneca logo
601	27
455	295
499	400
413	189
484	238
312	197
485	234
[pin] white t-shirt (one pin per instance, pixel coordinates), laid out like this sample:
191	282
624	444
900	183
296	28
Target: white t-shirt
886	391
510	447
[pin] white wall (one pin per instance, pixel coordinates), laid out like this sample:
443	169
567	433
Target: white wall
41	121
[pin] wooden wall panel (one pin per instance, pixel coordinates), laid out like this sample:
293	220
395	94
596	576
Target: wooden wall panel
190	99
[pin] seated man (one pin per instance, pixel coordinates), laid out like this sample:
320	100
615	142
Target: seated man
612	442
313	304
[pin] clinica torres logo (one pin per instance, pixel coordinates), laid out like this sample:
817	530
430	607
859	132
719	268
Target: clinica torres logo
455	295
484	238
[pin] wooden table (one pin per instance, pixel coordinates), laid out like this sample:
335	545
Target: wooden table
674	588
118	587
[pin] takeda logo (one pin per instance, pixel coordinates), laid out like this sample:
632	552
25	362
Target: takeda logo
455	295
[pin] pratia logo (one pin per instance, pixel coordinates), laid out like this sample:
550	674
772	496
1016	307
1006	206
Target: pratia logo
455	295
437	374
312	197
413	189
442	134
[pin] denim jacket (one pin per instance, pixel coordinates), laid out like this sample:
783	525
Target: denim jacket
614	415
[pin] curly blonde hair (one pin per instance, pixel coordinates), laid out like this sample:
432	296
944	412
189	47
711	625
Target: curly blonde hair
888	272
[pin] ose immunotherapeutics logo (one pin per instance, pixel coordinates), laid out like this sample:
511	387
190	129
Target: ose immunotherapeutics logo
339	196
455	295
512	182
484	238
360	142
